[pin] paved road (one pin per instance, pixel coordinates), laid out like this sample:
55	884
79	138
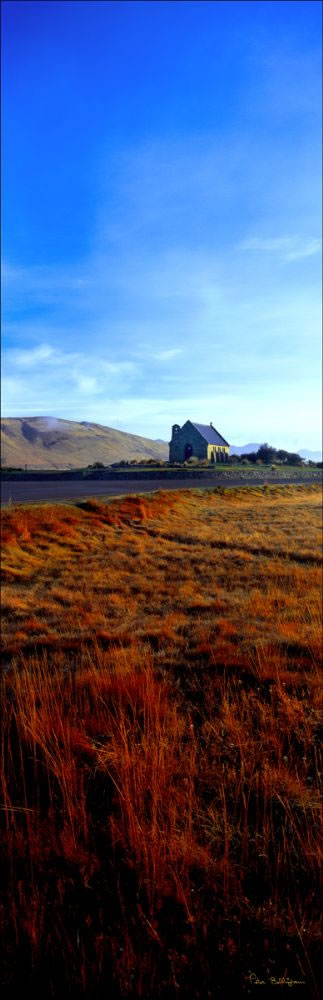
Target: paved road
31	492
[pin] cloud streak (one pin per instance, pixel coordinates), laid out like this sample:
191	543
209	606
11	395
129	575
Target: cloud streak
287	247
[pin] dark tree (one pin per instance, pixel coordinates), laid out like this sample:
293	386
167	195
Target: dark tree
266	453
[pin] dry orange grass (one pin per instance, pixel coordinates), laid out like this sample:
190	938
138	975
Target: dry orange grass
161	770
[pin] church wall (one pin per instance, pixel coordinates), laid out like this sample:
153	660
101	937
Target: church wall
218	451
183	436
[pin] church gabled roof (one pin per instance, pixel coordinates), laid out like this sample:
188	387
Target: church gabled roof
210	434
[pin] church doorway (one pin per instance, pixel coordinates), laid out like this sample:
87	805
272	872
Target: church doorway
188	451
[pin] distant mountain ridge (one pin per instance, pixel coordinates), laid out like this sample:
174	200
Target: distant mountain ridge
52	443
314	456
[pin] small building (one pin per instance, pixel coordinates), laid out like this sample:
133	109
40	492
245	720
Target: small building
199	440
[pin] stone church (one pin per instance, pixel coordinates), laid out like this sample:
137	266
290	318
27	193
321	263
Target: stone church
199	440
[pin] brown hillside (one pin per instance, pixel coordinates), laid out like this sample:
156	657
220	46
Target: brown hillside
49	443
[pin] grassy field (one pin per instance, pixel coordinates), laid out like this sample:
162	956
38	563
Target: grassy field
161	772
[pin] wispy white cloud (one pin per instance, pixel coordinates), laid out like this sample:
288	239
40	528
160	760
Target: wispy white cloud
36	355
42	281
305	250
86	383
173	352
279	243
288	247
45	354
51	377
118	367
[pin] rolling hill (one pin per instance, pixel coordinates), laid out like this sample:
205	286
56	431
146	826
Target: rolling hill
50	443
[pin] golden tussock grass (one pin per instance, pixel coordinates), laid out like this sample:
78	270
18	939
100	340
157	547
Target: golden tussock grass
160	770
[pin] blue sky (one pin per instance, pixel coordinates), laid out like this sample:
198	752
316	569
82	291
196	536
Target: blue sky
161	215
